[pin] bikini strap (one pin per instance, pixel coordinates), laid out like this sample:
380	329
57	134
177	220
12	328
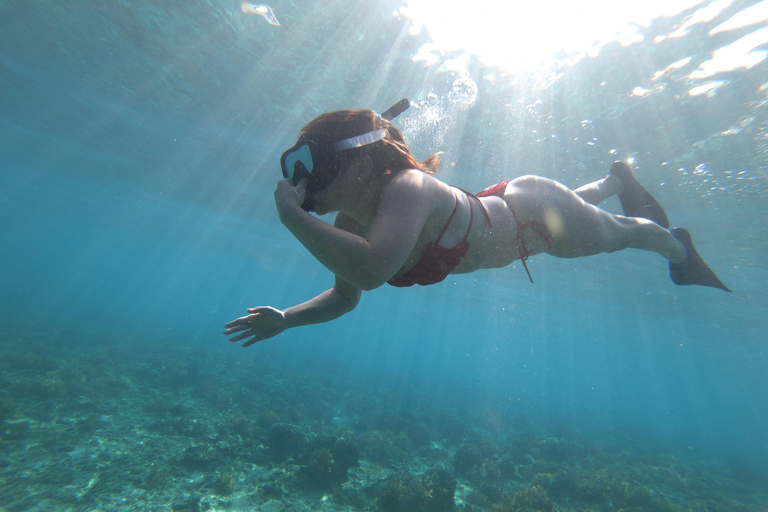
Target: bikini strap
485	210
471	218
445	227
522	249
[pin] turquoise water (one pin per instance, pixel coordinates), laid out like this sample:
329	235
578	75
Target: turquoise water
139	147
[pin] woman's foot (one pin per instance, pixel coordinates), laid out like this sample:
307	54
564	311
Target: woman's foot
635	200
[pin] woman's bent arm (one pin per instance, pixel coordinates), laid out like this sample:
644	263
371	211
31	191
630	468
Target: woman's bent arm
364	258
265	321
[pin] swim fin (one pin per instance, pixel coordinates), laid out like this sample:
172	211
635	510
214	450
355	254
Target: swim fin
692	270
635	200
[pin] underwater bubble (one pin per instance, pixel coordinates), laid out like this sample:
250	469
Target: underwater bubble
463	92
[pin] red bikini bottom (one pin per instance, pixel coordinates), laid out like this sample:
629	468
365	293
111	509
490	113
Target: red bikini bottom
538	227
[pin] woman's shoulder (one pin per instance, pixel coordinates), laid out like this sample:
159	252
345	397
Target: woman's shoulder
413	178
411	186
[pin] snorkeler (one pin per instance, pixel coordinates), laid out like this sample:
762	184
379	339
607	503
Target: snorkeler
399	225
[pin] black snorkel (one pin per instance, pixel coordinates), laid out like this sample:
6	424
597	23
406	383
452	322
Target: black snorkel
396	109
316	161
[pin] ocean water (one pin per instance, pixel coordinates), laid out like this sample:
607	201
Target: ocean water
139	149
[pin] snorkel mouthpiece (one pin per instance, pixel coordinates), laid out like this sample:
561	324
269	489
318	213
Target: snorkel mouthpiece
317	161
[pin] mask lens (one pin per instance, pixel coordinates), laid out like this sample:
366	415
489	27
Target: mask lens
297	164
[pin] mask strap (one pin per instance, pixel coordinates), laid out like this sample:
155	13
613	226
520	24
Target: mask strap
360	140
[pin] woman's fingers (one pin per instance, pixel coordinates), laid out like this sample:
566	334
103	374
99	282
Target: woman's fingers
301	190
258	325
232	328
251	342
239	337
243	320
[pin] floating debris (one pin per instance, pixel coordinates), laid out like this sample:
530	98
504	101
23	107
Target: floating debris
264	10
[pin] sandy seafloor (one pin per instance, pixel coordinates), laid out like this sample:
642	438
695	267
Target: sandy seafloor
159	425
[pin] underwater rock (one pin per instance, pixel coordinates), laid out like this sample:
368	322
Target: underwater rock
201	457
191	504
450	428
467	458
555	449
382	447
418	434
14	430
607	486
508	469
157	478
403	425
485	496
530	498
224	484
285	441
36	362
272	506
242	426
405	492
352	496
7	408
520	445
89	424
474	461
191	428
326	462
441	487
267	419
272	490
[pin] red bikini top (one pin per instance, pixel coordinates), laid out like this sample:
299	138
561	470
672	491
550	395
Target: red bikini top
436	261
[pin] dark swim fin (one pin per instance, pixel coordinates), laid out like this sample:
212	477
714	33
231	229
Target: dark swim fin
636	201
692	270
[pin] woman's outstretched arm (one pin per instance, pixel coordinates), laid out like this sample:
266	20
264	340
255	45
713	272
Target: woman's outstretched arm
265	321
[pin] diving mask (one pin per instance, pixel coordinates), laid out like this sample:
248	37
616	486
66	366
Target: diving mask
317	161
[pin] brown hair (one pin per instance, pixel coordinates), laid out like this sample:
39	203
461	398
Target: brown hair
389	155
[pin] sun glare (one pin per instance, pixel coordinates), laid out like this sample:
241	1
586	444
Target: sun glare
518	36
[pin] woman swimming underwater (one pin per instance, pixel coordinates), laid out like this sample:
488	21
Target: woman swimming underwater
399	225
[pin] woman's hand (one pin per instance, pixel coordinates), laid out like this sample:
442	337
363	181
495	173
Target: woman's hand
263	322
288	198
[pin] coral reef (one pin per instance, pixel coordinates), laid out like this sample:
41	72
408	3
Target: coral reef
384	448
326	462
84	427
528	499
406	492
285	441
474	461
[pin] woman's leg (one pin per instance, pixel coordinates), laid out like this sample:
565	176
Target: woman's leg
598	191
635	200
579	228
